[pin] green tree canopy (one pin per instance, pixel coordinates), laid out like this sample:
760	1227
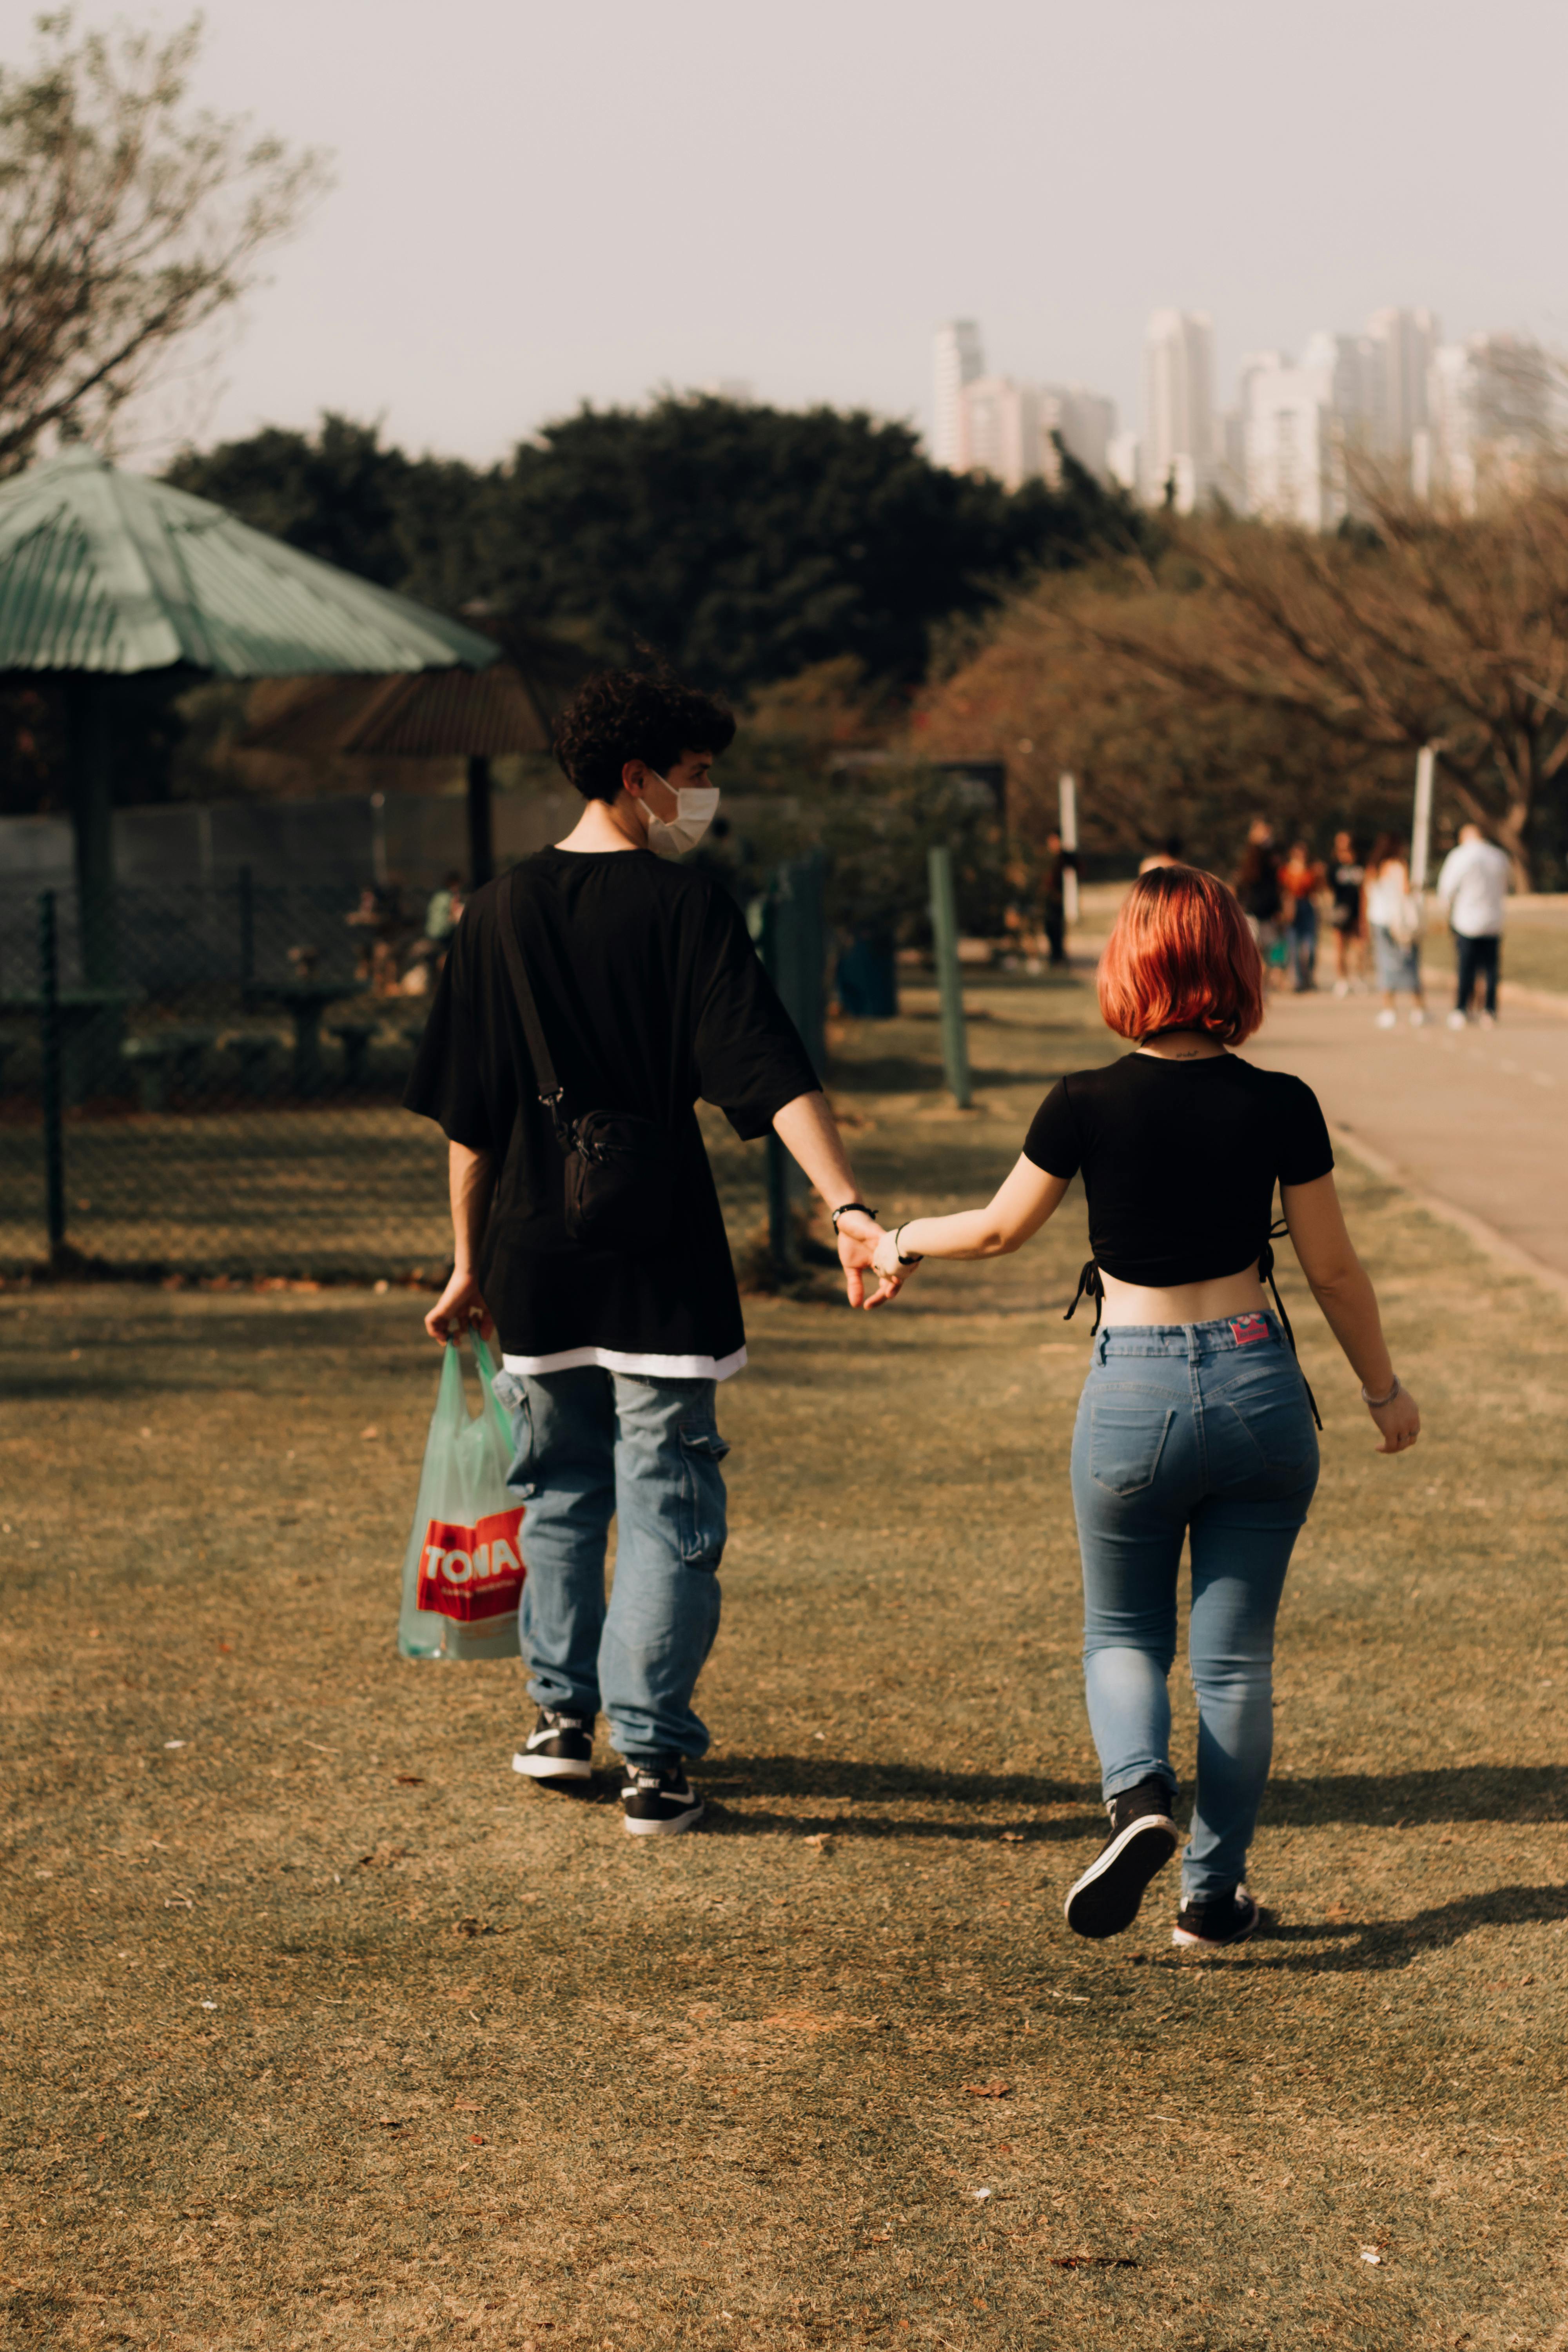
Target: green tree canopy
743	545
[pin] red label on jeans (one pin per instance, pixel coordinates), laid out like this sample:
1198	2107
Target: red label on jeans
1246	1329
469	1572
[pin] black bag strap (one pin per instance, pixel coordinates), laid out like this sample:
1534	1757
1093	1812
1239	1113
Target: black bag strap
1266	1268
544	1077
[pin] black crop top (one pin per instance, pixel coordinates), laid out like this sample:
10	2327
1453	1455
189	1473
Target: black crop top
1180	1160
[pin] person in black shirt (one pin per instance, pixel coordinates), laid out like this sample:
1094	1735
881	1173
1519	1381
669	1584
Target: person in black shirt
1195	1422
647	993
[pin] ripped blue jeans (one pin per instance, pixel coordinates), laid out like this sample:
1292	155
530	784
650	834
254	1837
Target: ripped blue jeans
1198	1432
593	1445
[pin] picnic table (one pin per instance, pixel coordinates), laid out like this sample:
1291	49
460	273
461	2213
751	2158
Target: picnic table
305	1002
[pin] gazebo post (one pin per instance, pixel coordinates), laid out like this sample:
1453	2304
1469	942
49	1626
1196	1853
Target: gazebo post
90	714
482	830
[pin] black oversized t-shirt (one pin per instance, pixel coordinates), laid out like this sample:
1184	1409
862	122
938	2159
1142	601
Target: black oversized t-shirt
1180	1160
650	994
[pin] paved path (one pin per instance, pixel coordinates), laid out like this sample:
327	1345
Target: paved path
1478	1118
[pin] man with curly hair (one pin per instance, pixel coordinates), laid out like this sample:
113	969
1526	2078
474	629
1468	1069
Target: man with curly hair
648	993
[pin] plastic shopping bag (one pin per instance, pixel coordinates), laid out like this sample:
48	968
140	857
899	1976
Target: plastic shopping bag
462	1575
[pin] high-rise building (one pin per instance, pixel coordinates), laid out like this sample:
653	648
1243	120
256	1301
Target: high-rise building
1402	345
1490	404
999	429
1008	429
958	363
1178	439
1086	424
1302	428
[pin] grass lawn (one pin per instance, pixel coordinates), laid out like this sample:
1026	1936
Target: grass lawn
1535	946
325	2031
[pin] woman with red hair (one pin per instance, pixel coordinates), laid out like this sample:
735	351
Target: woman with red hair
1194	1421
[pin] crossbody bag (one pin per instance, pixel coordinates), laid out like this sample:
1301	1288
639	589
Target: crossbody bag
620	1170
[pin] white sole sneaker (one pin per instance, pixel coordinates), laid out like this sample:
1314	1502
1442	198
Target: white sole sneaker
687	1819
550	1768
1188	1939
1105	1899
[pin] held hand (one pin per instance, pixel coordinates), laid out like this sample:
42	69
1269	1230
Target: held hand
1399	1423
859	1237
459	1305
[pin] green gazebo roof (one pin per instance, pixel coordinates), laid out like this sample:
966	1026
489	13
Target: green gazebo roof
112	572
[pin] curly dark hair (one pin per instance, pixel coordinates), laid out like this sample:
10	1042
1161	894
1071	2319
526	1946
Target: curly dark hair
627	714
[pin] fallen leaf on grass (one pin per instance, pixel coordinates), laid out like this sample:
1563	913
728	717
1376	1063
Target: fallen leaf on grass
382	1857
390	2123
408	1779
476	2140
371	1432
1094	2263
822	1840
989	2090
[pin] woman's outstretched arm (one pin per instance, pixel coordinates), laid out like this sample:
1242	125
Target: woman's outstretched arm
1343	1288
1019	1209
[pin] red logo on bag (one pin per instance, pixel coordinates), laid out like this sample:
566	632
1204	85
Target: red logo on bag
1246	1329
469	1572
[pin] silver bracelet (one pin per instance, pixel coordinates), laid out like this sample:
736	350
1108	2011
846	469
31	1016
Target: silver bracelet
1377	1403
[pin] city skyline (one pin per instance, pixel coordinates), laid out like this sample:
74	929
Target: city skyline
540	207
1442	417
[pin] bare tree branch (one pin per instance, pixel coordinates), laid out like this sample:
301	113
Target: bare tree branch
127	221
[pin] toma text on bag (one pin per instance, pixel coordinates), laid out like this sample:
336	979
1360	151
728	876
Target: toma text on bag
470	1572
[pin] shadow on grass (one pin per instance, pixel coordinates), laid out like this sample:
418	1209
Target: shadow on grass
1461	1792
1373	1945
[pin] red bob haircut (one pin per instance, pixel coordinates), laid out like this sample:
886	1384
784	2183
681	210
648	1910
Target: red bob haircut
1181	957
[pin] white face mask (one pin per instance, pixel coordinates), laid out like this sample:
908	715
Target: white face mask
694	807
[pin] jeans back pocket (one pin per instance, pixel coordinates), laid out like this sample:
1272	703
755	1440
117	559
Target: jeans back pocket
1126	1438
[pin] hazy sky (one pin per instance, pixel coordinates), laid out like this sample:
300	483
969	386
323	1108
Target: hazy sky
539	205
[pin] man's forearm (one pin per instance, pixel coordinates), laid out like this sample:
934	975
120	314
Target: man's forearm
809	1133
470	1179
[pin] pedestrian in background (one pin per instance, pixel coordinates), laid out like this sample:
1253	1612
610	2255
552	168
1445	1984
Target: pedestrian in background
1394	916
1300	879
1257	887
1347	915
1473	890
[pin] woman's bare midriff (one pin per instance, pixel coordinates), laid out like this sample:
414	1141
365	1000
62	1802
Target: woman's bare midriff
1187	1302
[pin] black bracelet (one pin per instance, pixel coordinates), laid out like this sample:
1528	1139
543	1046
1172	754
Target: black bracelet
845	1208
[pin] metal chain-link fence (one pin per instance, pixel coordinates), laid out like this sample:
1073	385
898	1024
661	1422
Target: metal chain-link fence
215	1088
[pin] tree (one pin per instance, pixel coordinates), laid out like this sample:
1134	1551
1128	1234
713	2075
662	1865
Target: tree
746	543
127	221
1157	754
1420	625
340	496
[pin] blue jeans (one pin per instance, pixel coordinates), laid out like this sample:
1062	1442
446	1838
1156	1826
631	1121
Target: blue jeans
1199	1429
593	1445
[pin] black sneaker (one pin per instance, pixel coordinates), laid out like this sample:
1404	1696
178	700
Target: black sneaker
657	1800
1215	1920
1142	1840
560	1747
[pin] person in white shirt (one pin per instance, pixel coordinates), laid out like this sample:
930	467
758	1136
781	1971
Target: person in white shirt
1393	918
1473	888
